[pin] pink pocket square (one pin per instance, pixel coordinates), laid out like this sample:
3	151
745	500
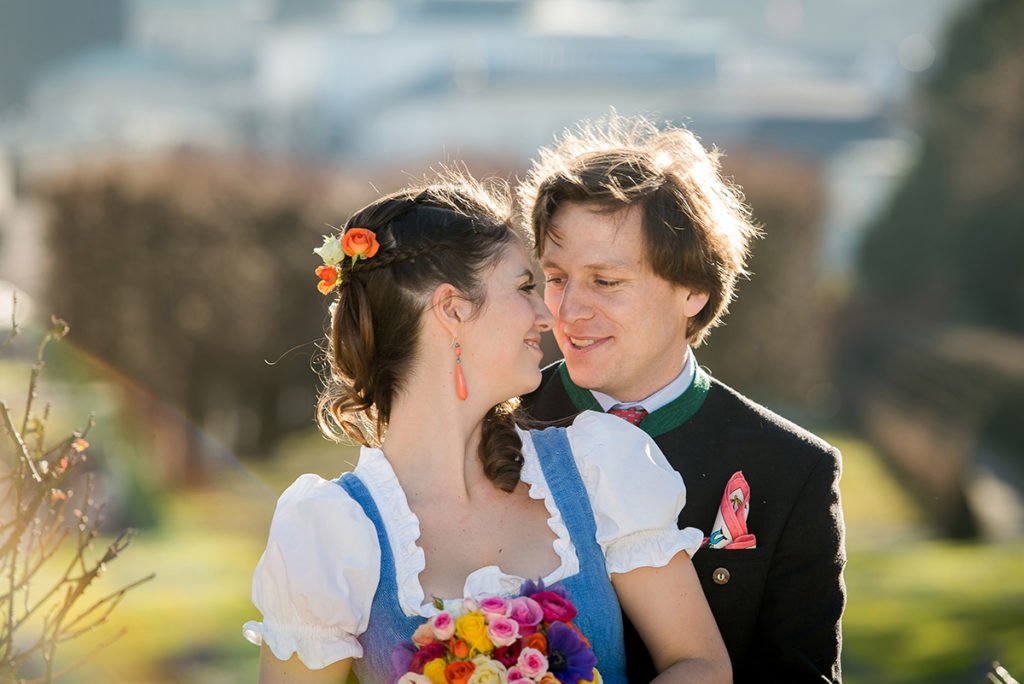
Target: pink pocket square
730	529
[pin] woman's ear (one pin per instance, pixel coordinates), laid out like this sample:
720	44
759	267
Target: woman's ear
450	308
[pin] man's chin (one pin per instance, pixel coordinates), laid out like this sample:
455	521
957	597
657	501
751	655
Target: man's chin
583	375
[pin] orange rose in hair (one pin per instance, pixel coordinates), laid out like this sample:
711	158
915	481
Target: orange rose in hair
328	279
359	243
459	672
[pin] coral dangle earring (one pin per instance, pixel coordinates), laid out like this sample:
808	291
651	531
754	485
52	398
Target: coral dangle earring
460	379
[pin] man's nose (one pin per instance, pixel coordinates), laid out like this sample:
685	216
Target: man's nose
573	304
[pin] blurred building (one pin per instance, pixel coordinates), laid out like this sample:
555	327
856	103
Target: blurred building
390	82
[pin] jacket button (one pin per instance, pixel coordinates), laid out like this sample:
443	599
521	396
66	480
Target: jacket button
721	576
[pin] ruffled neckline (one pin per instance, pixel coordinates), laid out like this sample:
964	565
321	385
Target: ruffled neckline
403	531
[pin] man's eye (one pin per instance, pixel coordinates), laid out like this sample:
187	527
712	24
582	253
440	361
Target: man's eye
554	280
606	283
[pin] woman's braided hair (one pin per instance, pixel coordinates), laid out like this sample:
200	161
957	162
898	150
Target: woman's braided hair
446	231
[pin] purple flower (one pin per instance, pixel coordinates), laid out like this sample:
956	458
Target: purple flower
401	658
530	588
569	659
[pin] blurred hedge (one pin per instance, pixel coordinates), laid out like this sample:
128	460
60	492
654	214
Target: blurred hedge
774	343
187	274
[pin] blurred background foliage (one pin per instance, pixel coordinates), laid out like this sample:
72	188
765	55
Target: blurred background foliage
932	357
185	271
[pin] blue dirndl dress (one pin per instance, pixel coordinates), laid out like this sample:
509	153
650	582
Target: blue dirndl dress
599	617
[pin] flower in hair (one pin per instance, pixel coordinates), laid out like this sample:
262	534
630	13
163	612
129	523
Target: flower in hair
356	243
328	278
331	251
332	254
359	243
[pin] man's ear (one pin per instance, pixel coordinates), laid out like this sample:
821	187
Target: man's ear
450	307
694	303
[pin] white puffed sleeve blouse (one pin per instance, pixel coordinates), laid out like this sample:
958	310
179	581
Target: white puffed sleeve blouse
315	583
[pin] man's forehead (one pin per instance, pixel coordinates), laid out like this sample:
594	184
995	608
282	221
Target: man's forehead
605	213
594	234
587	257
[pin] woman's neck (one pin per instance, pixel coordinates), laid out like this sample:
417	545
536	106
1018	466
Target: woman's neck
432	440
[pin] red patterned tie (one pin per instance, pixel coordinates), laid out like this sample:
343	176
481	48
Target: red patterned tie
634	415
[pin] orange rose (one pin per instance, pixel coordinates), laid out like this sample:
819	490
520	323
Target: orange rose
328	279
460	649
549	678
359	243
537	641
459	672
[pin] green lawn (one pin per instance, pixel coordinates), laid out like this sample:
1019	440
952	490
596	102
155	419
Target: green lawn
921	610
934	612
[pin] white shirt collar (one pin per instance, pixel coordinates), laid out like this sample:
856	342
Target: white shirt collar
674	389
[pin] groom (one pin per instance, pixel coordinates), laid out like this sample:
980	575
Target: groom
642	242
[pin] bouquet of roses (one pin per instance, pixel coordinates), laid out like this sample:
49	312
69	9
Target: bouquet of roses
528	639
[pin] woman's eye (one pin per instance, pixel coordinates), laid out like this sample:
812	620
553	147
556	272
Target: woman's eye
529	288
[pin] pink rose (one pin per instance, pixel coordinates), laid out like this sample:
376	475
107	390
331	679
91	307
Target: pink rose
556	608
494	606
532	663
502	631
469	606
516	676
443	625
423	635
527	613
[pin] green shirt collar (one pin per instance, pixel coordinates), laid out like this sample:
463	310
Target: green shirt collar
668	417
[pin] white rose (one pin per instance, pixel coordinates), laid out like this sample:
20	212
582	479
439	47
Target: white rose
413	678
331	251
488	671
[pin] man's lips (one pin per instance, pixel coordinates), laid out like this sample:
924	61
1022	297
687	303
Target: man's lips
584	343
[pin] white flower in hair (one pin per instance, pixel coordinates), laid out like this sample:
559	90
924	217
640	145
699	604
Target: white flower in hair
331	251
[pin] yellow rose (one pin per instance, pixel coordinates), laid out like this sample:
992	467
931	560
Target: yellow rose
596	679
472	629
488	671
434	670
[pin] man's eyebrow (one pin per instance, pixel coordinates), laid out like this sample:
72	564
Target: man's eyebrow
614	264
610	265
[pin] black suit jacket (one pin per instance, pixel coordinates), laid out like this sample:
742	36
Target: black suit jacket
779	605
